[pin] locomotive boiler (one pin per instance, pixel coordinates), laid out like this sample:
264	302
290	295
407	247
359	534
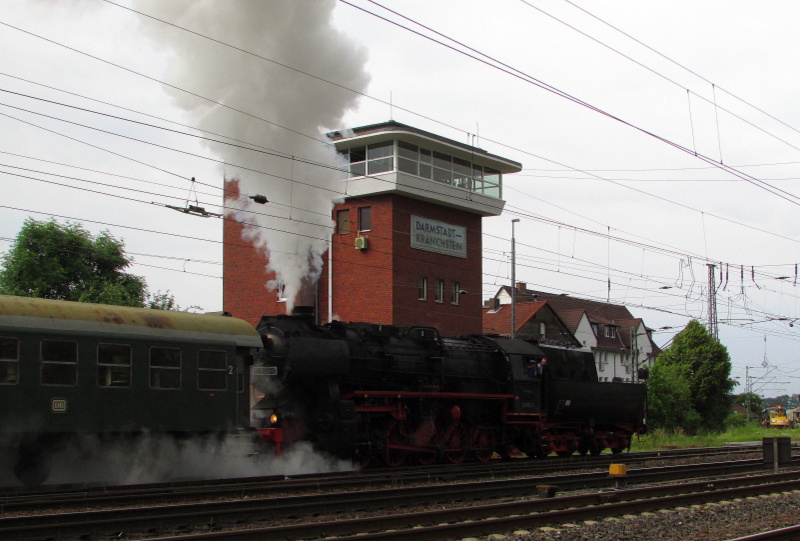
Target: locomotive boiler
381	392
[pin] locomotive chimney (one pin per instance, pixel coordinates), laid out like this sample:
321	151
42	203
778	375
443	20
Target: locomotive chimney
307	293
308	313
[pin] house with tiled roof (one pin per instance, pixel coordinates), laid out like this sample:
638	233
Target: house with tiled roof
534	321
620	342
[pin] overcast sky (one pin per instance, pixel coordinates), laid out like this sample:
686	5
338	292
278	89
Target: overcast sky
605	124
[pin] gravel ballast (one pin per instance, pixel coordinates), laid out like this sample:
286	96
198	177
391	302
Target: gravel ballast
709	522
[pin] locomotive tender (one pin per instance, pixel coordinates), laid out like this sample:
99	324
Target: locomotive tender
357	390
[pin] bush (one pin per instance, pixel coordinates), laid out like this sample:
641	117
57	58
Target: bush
735	420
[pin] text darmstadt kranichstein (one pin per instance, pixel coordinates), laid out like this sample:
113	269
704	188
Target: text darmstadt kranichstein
435	236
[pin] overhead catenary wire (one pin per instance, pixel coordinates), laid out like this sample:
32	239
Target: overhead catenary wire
670	80
247	146
496	64
662	55
268	59
660	309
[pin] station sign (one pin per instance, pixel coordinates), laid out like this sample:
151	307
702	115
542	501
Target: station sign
440	237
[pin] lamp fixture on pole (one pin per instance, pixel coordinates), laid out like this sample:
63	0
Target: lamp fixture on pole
513	280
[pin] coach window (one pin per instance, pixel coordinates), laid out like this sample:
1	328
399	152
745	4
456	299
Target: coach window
365	218
9	361
59	364
113	365
343	222
165	368
422	288
212	370
439	290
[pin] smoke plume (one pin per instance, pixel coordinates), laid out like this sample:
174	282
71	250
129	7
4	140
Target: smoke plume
286	111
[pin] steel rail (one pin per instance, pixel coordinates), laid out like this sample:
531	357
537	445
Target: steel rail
790	533
498	518
69	497
182	515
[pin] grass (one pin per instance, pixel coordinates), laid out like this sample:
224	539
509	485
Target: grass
662	439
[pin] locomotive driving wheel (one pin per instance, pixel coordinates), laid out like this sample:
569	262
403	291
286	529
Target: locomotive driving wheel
543	449
482	443
427	438
394	454
621	441
455	443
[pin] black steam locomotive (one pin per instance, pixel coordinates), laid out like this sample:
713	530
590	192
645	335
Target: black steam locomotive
380	392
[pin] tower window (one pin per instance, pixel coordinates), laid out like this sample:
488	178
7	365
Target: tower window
280	289
422	288
371	159
455	295
343	222
365	218
425	163
380	157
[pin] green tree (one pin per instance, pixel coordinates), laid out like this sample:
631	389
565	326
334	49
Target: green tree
166	301
669	399
706	365
751	401
785	400
64	261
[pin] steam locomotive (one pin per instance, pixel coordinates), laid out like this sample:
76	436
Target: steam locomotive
394	395
373	393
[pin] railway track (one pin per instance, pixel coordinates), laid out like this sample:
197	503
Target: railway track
520	515
250	509
73	497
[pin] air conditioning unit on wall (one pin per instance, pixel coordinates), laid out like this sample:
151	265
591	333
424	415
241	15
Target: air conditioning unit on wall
362	243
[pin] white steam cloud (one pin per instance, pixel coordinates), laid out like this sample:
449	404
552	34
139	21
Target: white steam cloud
294	227
158	458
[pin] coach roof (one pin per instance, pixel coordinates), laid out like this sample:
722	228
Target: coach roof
27	313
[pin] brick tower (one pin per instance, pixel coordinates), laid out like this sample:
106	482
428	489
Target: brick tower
407	245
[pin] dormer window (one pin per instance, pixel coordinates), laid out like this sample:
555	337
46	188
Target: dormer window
611	332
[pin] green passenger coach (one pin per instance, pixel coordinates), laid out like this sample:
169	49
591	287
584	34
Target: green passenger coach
69	369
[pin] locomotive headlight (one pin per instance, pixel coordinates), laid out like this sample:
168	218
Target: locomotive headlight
273	419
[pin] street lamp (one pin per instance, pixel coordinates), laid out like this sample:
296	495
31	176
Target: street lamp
513	280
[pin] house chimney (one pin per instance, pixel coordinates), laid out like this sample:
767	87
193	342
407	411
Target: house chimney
522	286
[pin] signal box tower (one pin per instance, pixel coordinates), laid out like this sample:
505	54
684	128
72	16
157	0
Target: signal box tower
407	245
